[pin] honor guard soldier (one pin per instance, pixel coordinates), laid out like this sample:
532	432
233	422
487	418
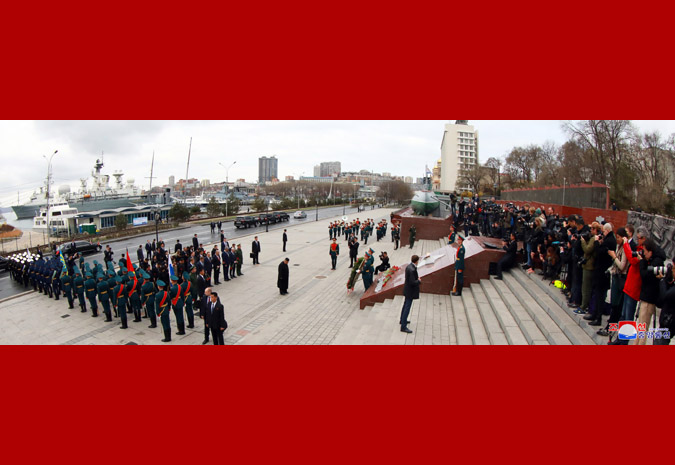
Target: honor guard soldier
120	292
54	278
452	238
133	290
90	290
78	285
368	269
188	299
112	282
459	267
162	302
148	298
67	288
334	251
413	235
33	278
177	304
103	292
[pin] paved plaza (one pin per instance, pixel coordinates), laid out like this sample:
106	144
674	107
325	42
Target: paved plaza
314	312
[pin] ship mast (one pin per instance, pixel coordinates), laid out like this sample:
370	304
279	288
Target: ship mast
187	171
152	167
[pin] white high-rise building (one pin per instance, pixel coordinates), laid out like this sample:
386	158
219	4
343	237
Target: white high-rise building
459	151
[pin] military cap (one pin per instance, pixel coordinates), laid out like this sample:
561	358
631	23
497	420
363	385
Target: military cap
132	275
161	283
76	269
118	279
460	236
186	275
173	278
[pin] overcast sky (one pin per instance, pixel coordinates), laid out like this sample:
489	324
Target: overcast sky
400	147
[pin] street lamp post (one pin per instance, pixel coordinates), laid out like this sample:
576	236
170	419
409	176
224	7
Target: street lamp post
267	222
49	182
157	218
227	171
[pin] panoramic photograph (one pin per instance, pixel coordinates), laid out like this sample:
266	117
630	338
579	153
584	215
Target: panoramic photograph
313	232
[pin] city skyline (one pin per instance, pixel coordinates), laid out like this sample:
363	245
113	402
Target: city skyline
402	148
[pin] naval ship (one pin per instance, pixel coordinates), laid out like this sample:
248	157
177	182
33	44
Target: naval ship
100	196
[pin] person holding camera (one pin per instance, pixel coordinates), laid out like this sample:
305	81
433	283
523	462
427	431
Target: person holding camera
505	263
604	242
633	287
617	272
535	240
384	265
667	298
652	257
587	263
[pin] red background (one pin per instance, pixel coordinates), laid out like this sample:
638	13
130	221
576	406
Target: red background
345	60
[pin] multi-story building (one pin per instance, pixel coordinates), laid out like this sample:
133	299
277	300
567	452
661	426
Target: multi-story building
317	171
330	168
267	169
459	151
172	181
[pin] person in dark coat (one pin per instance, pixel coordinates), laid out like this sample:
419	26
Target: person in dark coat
411	291
605	242
232	256
178	247
255	250
195	243
140	255
285	239
508	260
208	267
217	321
667	318
353	251
205	313
201	283
215	263
282	279
226	264
654	256
148	249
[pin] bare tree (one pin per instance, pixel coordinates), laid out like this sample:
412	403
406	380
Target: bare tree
473	177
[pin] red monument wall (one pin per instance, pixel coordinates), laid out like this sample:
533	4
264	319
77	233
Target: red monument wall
428	228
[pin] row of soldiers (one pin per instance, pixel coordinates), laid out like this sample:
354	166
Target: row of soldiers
355	227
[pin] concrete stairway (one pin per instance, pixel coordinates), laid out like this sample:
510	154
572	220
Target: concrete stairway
515	311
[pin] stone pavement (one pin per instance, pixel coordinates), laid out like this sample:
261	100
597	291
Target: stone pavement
313	313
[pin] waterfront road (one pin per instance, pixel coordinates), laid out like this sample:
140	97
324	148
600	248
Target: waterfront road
9	288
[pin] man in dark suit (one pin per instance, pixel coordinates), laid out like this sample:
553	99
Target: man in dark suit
215	263
285	239
353	251
411	291
255	250
201	283
178	247
148	249
205	313
282	279
208	267
140	255
226	265
195	243
232	257
508	260
217	321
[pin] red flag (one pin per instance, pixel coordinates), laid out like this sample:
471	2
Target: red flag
130	267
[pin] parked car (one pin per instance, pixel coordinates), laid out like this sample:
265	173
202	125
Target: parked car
82	247
299	215
266	218
3	263
246	222
284	216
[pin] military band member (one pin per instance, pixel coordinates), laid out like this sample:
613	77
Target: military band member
334	251
162	304
67	288
177	305
112	282
103	292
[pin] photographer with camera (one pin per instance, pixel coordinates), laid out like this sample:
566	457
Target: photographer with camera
653	257
604	242
510	245
632	289
667	298
618	273
536	237
576	229
384	264
587	242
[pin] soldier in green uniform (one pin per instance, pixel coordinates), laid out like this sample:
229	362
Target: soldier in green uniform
90	289
188	299
67	288
162	302
453	235
413	235
177	304
112	282
368	270
125	281
133	293
103	292
120	292
78	283
459	266
148	298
